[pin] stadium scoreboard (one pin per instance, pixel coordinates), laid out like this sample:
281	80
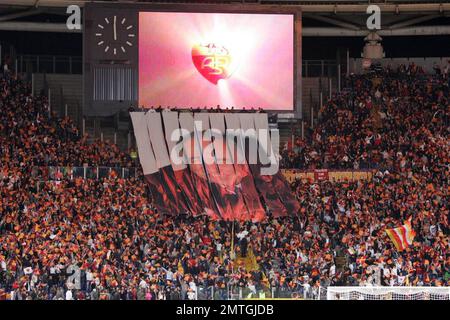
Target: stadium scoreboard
191	56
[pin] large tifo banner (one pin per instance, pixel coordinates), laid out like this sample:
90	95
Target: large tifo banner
221	165
193	60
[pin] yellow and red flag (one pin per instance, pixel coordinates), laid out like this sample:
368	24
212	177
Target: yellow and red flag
403	236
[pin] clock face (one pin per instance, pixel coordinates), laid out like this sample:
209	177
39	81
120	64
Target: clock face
115	35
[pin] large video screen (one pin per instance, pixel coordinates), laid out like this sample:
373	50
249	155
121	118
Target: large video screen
197	60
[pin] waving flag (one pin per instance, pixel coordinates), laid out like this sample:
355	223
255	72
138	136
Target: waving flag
403	236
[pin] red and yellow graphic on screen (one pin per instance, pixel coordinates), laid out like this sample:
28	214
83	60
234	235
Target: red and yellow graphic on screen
212	61
193	60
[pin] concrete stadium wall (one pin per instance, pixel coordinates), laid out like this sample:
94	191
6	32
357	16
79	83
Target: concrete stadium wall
65	89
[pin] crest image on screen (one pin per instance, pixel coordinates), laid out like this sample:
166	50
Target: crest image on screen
197	60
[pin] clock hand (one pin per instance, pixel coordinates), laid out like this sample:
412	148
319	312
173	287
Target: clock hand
115	31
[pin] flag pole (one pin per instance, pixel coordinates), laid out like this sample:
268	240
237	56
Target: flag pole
232	242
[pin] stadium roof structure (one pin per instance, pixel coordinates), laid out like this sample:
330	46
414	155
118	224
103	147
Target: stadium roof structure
336	18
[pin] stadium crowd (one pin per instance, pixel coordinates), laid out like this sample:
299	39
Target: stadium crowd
101	239
32	135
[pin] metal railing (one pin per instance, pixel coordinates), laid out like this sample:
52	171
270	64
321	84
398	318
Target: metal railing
49	64
320	68
274	292
59	173
29	63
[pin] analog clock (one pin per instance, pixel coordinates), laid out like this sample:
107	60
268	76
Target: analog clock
115	35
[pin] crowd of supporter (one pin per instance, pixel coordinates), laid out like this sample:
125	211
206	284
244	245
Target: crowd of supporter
31	134
382	121
101	239
217	109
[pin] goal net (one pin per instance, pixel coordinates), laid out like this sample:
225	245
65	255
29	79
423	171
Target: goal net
385	293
